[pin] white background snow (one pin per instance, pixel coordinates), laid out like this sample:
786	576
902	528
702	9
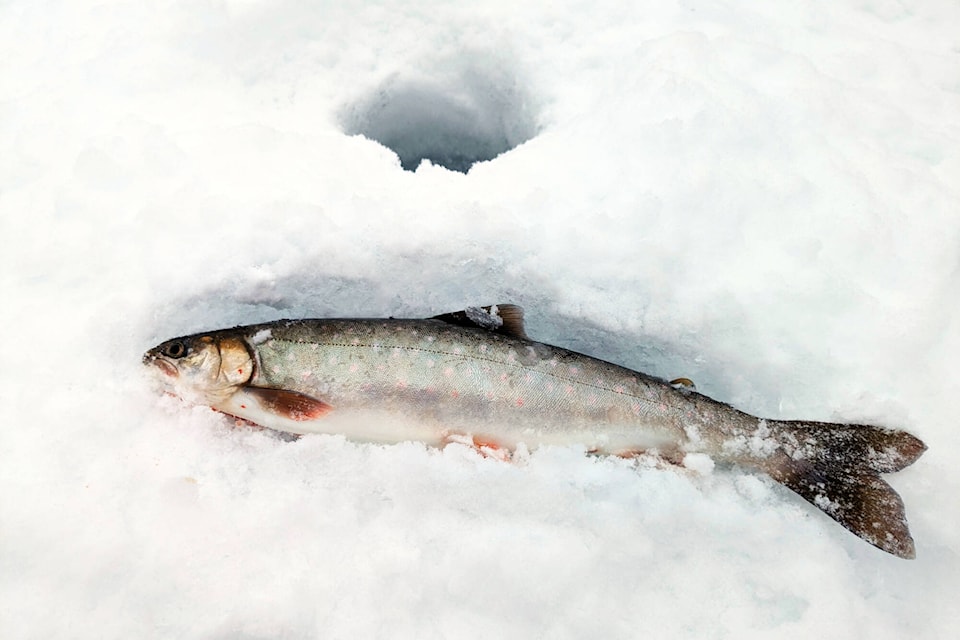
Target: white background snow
764	197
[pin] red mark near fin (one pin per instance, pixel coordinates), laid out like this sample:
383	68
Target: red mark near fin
491	449
488	448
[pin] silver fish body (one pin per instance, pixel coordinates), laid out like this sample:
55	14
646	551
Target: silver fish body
474	376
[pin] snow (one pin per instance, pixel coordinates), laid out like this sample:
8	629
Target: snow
261	336
762	197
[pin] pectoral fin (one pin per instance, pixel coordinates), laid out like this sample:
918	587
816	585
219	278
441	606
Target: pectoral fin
275	408
289	404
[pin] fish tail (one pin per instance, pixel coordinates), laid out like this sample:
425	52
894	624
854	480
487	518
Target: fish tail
837	467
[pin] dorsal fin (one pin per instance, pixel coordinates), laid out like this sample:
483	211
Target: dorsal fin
499	318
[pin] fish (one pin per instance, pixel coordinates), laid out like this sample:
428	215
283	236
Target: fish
475	377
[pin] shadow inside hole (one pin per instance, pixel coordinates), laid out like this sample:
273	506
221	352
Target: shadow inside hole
455	124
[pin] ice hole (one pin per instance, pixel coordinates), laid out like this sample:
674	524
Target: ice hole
455	120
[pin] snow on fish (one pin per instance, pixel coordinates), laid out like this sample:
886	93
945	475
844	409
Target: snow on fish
474	376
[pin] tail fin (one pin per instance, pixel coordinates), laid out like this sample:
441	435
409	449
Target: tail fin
837	467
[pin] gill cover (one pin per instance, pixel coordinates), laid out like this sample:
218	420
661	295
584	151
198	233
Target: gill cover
236	363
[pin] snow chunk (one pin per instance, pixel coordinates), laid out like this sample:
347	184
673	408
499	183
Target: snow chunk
482	318
825	503
760	443
699	462
261	336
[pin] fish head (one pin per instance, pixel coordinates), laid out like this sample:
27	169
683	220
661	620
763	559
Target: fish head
205	369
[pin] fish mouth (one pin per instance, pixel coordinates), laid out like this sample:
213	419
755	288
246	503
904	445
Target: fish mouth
168	369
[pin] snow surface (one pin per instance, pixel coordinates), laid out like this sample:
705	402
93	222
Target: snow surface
764	197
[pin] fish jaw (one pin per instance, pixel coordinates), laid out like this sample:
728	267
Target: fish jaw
164	367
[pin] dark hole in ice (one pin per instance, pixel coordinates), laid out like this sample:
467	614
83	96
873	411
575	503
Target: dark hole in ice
454	122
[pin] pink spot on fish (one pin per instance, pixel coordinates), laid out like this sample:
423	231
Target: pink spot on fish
519	402
448	371
306	374
354	368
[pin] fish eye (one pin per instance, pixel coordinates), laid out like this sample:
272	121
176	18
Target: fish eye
175	350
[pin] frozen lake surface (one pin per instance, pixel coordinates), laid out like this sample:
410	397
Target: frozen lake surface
763	197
